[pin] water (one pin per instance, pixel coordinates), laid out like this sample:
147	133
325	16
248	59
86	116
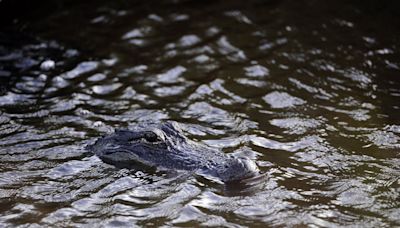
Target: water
310	91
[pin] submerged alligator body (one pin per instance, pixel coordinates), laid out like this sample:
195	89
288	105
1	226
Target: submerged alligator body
165	147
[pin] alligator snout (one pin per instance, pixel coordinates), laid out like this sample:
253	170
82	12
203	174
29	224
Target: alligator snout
248	164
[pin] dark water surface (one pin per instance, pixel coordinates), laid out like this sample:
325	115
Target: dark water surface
309	90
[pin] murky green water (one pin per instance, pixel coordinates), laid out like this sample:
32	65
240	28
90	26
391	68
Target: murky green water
309	90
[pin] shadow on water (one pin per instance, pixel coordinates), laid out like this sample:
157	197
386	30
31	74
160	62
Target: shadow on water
246	187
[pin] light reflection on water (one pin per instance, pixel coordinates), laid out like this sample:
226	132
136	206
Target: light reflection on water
315	104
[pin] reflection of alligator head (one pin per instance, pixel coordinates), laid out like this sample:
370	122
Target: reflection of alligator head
164	146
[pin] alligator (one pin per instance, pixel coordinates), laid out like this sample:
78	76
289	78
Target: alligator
165	147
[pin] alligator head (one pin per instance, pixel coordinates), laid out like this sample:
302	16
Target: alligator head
164	146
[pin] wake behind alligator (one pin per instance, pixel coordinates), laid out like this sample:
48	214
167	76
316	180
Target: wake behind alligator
165	147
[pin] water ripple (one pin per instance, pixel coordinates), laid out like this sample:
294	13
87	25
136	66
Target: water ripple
317	111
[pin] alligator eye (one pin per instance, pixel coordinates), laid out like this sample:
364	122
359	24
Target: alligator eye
151	137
